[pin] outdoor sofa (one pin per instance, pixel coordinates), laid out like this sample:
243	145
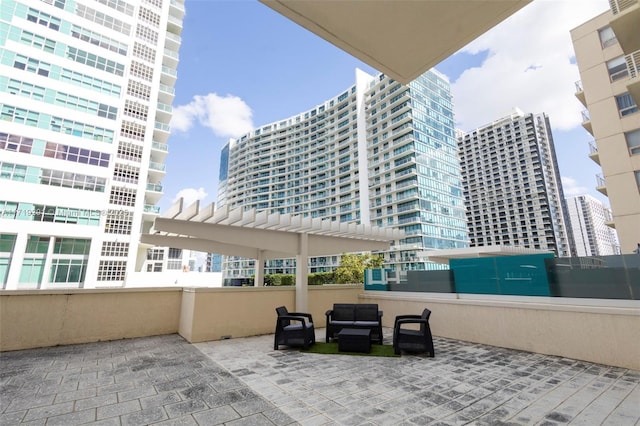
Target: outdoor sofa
354	315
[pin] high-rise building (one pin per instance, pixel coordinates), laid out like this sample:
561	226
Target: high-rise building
379	153
591	234
512	185
86	91
607	51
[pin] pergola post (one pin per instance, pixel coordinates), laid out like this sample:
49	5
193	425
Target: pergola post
258	280
302	272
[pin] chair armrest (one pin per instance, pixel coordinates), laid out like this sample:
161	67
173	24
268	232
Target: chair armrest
418	320
301	314
329	313
405	317
302	319
379	315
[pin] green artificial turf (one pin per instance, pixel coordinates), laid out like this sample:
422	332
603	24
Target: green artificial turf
332	349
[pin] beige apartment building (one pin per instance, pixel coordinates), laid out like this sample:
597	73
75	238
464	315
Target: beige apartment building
607	51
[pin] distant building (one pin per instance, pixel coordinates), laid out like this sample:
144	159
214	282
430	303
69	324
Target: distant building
512	186
607	51
589	218
378	153
85	103
214	263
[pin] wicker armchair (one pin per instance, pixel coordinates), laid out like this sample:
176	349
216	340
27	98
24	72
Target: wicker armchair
293	329
412	339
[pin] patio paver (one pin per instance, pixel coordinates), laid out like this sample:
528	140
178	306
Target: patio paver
164	380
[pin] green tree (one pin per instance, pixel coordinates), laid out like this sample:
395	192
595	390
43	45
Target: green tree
352	266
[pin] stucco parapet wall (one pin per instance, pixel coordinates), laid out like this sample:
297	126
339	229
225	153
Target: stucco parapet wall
596	306
270	288
88	291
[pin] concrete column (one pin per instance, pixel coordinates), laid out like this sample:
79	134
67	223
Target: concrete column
17	257
259	277
302	272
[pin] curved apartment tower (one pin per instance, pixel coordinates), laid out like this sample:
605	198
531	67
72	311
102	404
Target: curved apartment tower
379	152
86	89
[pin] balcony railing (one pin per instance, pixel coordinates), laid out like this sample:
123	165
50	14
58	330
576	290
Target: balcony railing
579	87
618	6
149	208
585	116
160	146
155	187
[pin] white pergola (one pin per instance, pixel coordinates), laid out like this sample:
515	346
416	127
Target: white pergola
262	236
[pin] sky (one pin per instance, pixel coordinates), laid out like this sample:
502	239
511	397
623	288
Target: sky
243	65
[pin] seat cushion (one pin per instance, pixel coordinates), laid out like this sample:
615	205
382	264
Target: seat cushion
342	322
408	332
366	323
297	326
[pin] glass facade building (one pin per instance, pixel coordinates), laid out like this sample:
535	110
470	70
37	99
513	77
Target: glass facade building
379	152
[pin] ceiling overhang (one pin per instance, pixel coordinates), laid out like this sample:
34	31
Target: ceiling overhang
401	38
443	256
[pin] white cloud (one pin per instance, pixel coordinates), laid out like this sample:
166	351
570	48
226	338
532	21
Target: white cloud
528	66
227	116
190	195
571	187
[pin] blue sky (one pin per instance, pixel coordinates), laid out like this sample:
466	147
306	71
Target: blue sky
243	65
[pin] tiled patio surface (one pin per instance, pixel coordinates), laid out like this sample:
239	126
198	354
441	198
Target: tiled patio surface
164	380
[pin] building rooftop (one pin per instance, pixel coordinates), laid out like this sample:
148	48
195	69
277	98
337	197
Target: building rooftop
166	381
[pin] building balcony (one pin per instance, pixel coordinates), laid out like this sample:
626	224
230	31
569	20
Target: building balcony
161	132
174	24
593	152
601	185
176	9
580	93
164	113
172	41
157	169
633	84
626	15
586	121
150	209
168	75
166	94
170	58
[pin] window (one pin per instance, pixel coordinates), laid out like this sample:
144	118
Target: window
617	68
113	248
633	142
112	270
626	104
607	37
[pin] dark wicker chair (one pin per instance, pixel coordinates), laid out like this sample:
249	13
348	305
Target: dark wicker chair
412	339
293	329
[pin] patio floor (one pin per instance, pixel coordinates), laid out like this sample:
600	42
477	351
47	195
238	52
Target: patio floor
166	381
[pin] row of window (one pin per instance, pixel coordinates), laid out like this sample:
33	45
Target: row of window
29	174
103	19
62	50
59	151
44	213
50	96
58	73
56	124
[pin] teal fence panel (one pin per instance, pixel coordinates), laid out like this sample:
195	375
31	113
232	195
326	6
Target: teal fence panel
510	275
